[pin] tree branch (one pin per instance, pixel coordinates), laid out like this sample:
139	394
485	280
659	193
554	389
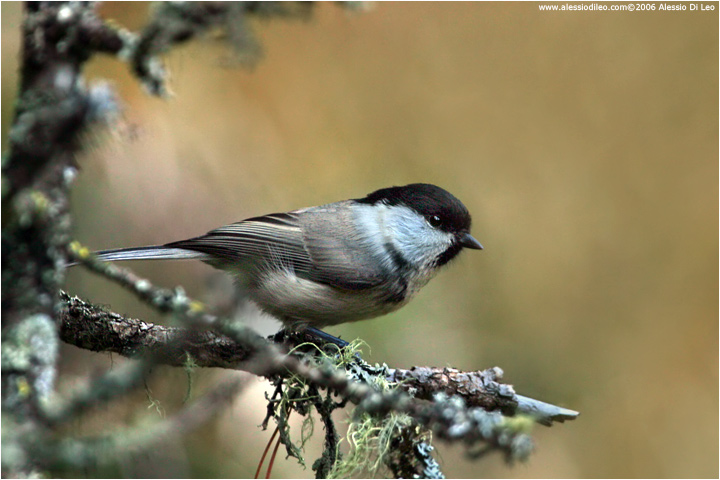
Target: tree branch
478	389
83	453
94	328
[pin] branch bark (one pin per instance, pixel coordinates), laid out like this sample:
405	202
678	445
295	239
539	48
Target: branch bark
97	329
94	328
53	110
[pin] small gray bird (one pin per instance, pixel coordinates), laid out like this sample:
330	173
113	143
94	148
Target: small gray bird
335	263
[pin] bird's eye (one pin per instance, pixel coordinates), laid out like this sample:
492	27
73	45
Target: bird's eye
434	220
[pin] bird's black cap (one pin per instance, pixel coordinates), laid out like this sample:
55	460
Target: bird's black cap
437	205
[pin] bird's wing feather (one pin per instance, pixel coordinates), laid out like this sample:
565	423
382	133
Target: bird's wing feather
340	258
311	248
275	238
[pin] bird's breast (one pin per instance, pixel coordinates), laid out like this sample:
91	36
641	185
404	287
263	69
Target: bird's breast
294	300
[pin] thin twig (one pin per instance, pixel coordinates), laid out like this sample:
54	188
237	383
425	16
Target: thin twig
91	451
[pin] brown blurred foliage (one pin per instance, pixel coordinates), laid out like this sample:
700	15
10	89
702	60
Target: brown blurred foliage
585	144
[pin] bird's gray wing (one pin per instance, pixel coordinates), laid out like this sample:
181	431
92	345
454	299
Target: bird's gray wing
271	239
340	256
301	241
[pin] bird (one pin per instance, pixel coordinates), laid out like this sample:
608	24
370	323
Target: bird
330	264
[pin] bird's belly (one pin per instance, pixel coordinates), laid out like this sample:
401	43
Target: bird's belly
299	302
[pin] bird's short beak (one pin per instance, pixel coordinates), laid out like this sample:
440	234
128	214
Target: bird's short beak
468	241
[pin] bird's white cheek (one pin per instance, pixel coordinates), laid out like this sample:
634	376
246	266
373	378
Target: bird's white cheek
420	243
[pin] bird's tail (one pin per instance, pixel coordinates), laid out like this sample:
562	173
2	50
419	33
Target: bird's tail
154	252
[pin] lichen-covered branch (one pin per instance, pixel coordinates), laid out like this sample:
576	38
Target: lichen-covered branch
72	454
95	328
54	108
478	389
96	391
174	23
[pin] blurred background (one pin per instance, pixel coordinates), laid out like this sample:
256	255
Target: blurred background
585	144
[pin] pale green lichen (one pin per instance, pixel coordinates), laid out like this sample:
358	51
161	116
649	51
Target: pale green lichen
296	394
372	439
79	250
